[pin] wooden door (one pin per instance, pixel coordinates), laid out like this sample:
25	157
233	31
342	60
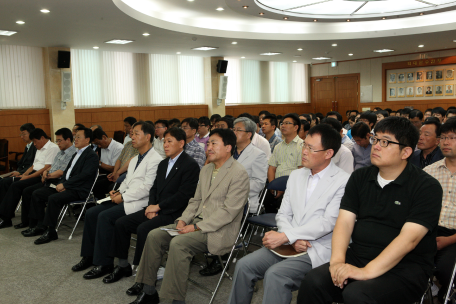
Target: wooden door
323	94
347	94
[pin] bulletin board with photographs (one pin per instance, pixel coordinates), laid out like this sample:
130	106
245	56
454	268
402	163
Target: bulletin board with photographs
413	83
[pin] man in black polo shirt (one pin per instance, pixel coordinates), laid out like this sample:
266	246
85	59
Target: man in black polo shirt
390	211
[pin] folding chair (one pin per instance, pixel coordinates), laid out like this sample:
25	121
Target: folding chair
267	220
450	293
19	205
90	197
224	272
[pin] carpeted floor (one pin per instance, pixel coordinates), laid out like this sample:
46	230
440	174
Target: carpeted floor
42	274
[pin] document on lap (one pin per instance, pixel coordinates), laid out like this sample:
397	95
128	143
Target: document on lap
287	251
171	231
104	200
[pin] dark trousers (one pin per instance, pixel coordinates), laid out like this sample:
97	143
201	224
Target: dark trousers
272	204
99	226
445	260
5	183
102	187
135	223
27	201
55	201
9	203
404	284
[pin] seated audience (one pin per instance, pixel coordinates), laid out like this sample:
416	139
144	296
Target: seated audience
259	141
261	116
406	112
305	220
343	157
446	229
335	115
383	243
439	112
121	166
76	127
109	153
416	117
74	185
211	223
427	113
204	126
174	123
224	123
214	118
304	129
351	122
93	127
369	118
45	154
192	148
269	126
64	140
450	113
168	198
256	120
132	196
381	114
161	126
362	147
428	144
128	123
286	158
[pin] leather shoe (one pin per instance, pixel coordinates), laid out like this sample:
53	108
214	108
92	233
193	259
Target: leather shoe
135	290
48	236
5	223
144	298
21	225
33	232
118	273
98	272
85	263
212	269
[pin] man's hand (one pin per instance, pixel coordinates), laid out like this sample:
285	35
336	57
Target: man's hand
341	272
186	229
180	224
24	177
116	198
278	194
109	177
273	239
152	209
301	245
14	174
151	215
60	188
442	242
45	174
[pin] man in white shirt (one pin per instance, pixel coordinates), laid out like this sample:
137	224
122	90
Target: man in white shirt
46	151
160	128
109	153
305	220
128	123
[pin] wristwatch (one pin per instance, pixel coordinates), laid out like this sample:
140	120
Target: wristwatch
196	227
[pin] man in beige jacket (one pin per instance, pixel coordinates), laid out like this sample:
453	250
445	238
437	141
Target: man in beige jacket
209	223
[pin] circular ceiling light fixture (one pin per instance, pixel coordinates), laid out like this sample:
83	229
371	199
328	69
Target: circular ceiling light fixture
96	47
20	22
242	57
350	54
219	9
299	49
285	18
45	11
334	44
245	6
315	20
383	51
178	53
271	53
234	42
146	34
294	61
261	14
421	45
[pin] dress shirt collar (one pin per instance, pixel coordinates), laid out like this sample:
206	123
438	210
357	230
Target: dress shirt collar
110	145
272	138
46	145
82	150
321	173
29	145
174	160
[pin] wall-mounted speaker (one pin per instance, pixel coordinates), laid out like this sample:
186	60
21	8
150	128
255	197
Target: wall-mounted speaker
221	66
63	60
66	88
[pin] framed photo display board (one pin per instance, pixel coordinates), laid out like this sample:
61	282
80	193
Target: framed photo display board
419	79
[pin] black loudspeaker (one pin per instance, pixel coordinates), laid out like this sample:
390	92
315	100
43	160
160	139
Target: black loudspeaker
63	61
221	66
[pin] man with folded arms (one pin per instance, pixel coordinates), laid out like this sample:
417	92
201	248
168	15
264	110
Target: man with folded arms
305	220
390	213
44	157
211	222
132	196
174	186
64	139
74	185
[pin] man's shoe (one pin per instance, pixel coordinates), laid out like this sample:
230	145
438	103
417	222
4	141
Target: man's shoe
33	232
135	290
98	272
118	273
49	235
5	223
144	298
85	263
21	225
212	269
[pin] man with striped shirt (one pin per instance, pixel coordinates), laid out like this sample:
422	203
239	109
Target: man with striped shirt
192	147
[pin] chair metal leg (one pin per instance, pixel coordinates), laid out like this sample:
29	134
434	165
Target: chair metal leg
450	286
77	222
61	215
19	205
221	276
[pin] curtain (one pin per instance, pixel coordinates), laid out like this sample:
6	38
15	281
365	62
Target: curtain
21	77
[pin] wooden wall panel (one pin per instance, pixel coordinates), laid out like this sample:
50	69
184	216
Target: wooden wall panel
11	120
278	109
111	119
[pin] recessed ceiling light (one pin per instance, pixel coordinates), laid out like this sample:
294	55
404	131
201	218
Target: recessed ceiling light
234	42
421	45
45	11
384	18
7	33
190	0
315	20
219	9
146	34
242	57
285	18
299	49
334	44
178	53
270	53
261	14
348	20
204	48
119	41
96	47
321	58
421	14
350	54
20	22
294	61
383	51
245	6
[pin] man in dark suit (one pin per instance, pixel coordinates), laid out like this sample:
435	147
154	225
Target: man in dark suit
428	144
75	184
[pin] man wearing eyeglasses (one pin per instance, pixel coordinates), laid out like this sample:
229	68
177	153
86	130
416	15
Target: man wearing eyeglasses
389	212
161	126
305	221
428	144
443	171
192	148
